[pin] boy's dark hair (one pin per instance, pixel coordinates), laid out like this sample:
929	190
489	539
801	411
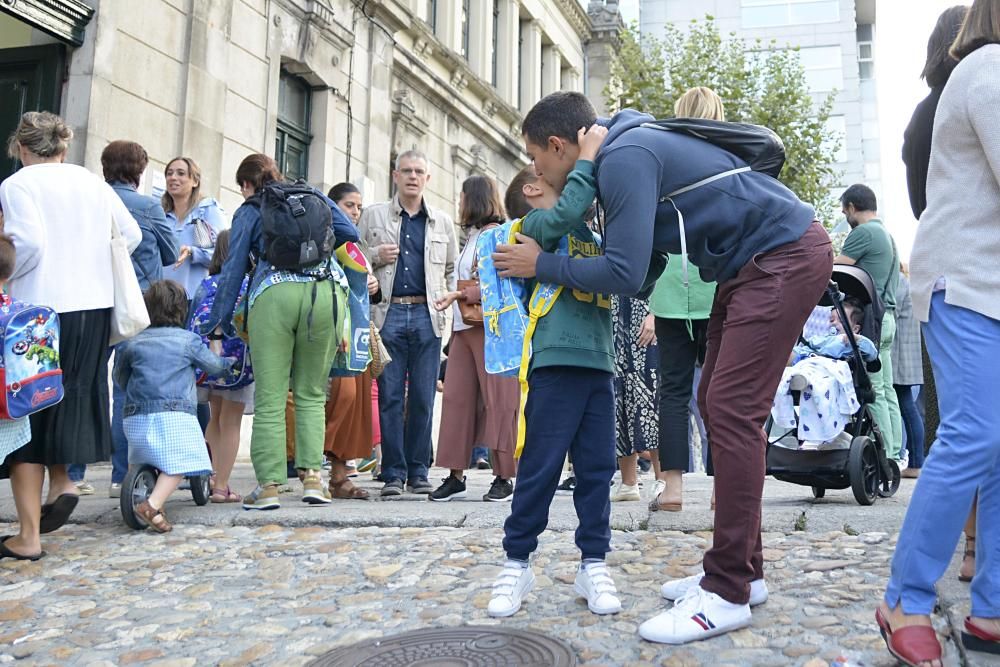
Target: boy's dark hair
559	114
940	62
8	256
220	254
861	196
513	200
167	304
124	161
855	309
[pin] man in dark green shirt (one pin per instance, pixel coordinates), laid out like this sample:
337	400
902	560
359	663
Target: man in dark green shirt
870	247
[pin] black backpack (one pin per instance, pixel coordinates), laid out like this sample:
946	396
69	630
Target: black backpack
297	225
756	145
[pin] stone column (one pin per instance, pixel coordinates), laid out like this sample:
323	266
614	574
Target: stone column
602	50
531	64
507	61
571	79
480	54
551	69
449	24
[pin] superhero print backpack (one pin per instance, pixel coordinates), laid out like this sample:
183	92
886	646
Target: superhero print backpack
29	363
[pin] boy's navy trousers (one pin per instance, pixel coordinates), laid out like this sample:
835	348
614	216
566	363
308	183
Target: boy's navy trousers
569	409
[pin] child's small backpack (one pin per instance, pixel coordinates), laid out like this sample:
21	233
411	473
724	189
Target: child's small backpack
32	379
241	373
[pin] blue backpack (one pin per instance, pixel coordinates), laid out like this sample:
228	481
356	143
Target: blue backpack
356	358
29	364
241	374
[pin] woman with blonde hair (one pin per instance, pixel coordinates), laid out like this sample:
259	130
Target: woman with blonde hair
680	310
60	217
477	408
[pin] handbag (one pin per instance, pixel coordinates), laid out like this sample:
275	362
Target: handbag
204	235
128	315
380	355
472	313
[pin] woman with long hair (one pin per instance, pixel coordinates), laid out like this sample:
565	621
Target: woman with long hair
956	291
477	408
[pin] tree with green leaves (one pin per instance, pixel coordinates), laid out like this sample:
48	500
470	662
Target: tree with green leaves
759	83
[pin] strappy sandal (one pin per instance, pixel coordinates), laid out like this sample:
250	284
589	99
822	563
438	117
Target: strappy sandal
970	552
224	495
345	490
656	506
913	645
153	517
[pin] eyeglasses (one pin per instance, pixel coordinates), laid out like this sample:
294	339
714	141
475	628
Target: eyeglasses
412	171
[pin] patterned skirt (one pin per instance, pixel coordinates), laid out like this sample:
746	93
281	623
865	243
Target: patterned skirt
171	442
636	422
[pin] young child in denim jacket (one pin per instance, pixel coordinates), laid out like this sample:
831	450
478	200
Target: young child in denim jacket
570	405
157	371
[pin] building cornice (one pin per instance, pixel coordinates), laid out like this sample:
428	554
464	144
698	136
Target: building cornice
65	20
577	17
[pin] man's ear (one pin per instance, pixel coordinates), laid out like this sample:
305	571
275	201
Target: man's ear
557	145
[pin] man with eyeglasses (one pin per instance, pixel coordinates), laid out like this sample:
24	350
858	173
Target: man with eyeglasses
412	248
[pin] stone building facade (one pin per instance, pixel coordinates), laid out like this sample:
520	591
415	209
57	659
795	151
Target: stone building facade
333	88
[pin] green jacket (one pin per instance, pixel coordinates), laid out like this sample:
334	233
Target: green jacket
671	300
577	331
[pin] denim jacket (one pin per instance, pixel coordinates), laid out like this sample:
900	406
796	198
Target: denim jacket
159	241
194	270
246	246
156	369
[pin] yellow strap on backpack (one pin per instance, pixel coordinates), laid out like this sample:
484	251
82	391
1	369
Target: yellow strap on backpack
542	299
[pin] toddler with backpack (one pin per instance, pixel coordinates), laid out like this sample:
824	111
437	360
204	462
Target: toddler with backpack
157	371
230	394
570	376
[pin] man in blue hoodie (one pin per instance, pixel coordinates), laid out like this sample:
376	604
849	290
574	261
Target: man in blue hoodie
772	261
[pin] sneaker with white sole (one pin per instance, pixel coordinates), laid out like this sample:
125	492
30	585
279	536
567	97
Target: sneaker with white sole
514	582
698	615
677	588
625	493
84	488
262	498
594	583
659	486
115	490
313	491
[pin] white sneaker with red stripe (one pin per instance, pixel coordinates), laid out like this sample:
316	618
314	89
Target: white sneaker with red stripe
697	615
676	588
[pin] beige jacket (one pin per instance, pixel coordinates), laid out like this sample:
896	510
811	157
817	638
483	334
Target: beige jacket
380	224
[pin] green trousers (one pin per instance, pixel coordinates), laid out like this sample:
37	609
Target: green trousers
886	408
286	342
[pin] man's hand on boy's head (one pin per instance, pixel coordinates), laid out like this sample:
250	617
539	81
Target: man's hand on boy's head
590	141
518	260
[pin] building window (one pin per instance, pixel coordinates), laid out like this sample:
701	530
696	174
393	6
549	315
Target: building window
866	51
496	42
465	28
293	137
837	126
432	14
771	13
824	66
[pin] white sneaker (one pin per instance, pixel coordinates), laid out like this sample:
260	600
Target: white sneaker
659	486
115	490
677	588
624	493
513	583
697	615
594	583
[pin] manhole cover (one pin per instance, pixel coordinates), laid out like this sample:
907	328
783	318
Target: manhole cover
470	646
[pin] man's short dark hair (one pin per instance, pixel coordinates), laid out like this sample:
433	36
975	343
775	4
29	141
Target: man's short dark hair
513	200
8	257
861	196
559	114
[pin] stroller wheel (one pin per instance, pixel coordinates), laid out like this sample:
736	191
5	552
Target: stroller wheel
819	491
863	470
136	487
201	489
888	487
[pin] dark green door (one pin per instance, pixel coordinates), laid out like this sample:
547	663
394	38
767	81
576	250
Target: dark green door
30	80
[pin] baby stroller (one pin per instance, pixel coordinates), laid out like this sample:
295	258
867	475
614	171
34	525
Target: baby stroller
863	465
139	483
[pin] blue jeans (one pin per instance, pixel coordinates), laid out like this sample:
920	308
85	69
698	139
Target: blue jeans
406	391
571	410
913	425
119	444
964	348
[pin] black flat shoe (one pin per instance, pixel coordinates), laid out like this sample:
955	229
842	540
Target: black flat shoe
56	514
7	553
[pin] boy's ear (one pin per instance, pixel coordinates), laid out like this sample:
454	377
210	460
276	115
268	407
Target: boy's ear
530	190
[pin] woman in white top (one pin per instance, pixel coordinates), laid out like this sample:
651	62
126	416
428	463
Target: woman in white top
955	289
477	409
60	217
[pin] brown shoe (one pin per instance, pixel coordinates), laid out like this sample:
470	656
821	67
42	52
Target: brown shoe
910	473
153	517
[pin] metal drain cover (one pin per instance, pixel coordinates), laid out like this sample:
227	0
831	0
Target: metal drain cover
469	646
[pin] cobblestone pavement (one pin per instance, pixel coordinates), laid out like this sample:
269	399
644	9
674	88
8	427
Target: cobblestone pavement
280	594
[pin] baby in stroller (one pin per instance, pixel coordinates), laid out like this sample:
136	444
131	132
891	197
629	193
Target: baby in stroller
819	371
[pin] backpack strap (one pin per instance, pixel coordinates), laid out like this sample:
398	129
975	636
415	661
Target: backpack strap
542	299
